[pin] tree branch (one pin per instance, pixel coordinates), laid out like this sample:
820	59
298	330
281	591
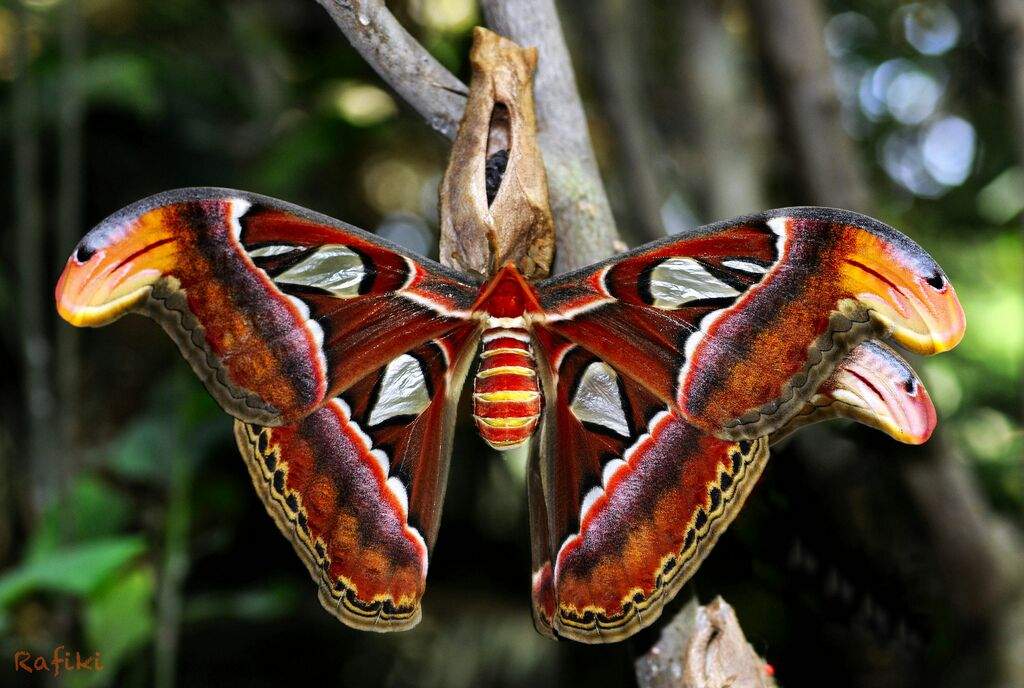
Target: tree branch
419	79
586	230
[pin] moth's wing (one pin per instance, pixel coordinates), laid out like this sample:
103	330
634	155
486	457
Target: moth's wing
634	497
736	324
277	309
872	385
357	486
542	588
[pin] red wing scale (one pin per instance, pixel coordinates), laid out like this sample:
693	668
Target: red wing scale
276	308
357	485
633	498
737	324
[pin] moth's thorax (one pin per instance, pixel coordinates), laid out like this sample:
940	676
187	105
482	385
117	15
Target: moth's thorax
506	396
507	295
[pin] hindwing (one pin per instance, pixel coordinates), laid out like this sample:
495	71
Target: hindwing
627	498
357	486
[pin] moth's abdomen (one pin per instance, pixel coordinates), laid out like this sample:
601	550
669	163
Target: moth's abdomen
506	395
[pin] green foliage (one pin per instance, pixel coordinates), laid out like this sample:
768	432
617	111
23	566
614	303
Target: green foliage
78	569
91	510
118	617
123	81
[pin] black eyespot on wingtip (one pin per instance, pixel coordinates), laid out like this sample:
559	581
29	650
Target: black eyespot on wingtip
937	280
83	253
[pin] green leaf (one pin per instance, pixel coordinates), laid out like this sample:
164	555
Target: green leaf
143	450
118	620
124	80
77	570
91	510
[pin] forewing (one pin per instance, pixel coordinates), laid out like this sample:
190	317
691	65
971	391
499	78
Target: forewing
277	309
634	498
737	324
357	486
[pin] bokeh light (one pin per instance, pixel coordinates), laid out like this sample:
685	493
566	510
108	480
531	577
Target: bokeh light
361	104
912	96
947	150
408	231
444	15
931	27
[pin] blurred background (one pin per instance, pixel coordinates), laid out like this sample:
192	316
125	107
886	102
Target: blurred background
128	524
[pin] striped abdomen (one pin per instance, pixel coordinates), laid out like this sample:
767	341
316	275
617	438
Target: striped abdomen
506	395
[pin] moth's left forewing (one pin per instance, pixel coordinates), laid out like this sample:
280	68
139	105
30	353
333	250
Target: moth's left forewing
635	497
276	308
736	325
357	486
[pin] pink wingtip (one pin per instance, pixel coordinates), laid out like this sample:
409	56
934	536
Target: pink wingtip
888	394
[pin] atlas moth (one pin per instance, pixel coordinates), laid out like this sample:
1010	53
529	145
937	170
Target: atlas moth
649	385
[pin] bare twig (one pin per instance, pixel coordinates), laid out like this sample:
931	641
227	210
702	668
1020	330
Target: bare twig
585	228
419	79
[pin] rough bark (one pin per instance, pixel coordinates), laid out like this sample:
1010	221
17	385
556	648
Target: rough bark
419	79
585	228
